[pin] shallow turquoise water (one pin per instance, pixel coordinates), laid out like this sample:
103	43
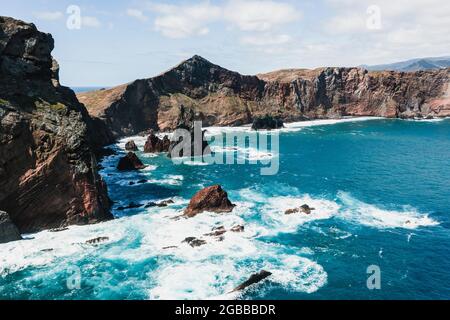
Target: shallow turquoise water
381	193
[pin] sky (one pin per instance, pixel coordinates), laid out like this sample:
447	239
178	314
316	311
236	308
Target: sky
107	43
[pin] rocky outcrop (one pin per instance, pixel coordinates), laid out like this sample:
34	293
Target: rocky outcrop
218	96
254	278
131	146
8	231
191	140
213	199
267	123
48	175
130	162
194	242
302	209
156	145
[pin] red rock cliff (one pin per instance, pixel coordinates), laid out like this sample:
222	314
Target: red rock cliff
48	174
223	97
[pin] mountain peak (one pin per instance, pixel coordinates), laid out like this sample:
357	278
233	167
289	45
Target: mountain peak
196	59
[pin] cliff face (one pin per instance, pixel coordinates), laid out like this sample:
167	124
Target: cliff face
48	175
223	97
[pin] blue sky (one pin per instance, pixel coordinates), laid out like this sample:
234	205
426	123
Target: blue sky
120	41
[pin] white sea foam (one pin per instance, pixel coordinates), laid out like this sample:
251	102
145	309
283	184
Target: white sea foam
359	212
273	213
313	123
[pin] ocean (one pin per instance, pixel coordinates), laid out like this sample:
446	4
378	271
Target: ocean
380	189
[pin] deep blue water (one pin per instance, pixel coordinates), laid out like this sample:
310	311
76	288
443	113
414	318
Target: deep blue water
380	190
85	89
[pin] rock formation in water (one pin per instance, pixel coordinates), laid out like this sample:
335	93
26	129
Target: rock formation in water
267	123
130	162
302	209
8	231
156	145
193	142
222	97
48	169
131	146
254	278
213	199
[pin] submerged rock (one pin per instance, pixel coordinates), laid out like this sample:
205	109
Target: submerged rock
131	146
164	203
194	242
254	278
213	199
237	228
130	162
8	231
216	232
97	240
132	205
302	209
267	123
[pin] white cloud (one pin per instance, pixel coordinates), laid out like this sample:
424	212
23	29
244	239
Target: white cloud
256	15
137	14
184	21
265	39
409	28
90	22
348	23
180	21
49	15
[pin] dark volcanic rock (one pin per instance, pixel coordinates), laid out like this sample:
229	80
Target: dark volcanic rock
254	278
193	144
132	205
213	199
303	209
131	146
8	231
156	145
237	228
48	167
194	242
267	123
130	162
97	240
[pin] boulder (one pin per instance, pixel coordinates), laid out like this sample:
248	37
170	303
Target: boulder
213	199
8	231
130	162
131	146
254	278
156	145
267	123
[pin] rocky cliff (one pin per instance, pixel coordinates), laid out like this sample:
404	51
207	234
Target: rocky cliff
223	97
48	174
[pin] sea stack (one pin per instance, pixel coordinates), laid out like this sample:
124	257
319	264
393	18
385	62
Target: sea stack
213	199
8	231
130	162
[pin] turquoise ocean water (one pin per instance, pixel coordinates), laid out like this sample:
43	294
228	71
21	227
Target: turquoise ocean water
381	193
